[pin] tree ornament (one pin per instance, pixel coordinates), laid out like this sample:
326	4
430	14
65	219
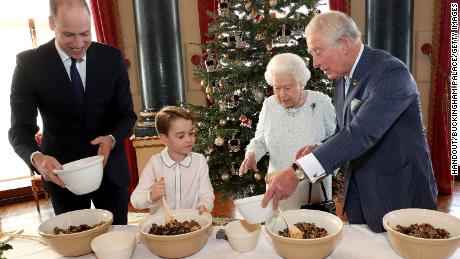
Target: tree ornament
269	47
272	3
199	124
222	8
209	89
222	105
257	176
239	62
239	40
234	144
232	102
225	177
255	16
208	151
259	36
219	141
248	6
259	96
283	36
221	82
245	121
210	64
223	122
208	158
235	168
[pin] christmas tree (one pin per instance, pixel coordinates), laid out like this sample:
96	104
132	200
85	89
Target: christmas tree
245	36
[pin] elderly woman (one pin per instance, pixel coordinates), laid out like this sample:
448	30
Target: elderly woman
288	121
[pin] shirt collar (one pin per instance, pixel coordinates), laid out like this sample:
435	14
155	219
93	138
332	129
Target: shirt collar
63	55
169	162
356	63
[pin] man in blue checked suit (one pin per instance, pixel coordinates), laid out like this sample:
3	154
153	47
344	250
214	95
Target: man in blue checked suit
379	133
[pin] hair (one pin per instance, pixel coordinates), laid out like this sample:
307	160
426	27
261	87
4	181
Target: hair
55	4
334	25
287	64
166	115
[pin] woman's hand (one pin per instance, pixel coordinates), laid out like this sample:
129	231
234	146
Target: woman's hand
305	151
202	209
249	162
158	190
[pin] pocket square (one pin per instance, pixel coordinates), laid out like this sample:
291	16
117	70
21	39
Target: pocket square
355	103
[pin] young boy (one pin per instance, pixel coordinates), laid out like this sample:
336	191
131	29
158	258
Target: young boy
177	172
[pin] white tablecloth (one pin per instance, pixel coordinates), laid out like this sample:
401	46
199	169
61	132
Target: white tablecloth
357	242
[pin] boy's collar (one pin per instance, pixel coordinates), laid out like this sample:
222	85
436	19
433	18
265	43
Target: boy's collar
169	162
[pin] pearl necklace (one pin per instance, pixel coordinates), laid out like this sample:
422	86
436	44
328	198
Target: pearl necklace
291	112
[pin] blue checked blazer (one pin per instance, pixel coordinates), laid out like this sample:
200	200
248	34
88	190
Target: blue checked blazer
380	131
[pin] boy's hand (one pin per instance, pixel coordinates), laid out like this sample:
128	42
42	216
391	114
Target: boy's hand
202	209
158	190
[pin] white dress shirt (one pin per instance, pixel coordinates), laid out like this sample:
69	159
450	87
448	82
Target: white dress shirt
187	183
81	64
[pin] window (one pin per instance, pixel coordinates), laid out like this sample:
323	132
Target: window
14	28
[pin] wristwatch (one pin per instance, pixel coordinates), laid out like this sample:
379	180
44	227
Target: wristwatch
299	174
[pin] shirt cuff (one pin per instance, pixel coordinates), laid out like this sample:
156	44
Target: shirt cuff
32	156
311	166
149	199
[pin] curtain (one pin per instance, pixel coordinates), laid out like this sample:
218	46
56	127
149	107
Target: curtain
340	5
439	114
108	31
205	6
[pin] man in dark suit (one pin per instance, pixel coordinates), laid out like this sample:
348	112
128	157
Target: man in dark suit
379	133
81	89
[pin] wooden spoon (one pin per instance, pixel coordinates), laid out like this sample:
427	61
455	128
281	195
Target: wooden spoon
294	232
17	234
167	211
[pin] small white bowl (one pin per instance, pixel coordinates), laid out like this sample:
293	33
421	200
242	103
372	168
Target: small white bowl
242	236
82	176
252	211
114	245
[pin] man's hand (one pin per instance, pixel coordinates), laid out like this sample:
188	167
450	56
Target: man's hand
45	166
281	185
105	146
158	189
249	162
305	151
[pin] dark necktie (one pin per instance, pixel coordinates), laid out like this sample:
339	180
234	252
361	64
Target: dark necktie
77	84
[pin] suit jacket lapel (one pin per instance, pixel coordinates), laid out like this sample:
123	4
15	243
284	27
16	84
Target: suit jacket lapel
62	77
338	92
357	79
